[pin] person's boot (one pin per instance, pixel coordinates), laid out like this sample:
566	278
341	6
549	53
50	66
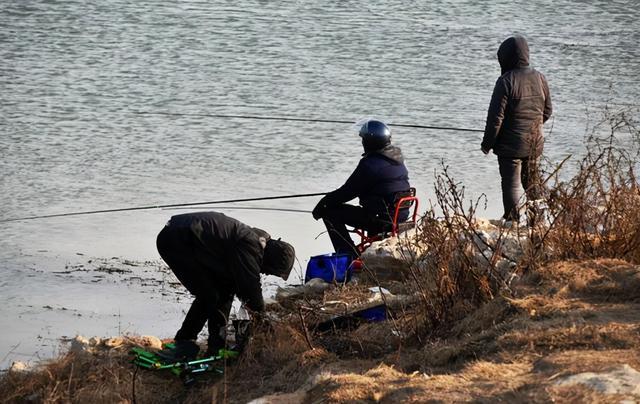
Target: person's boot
183	350
214	345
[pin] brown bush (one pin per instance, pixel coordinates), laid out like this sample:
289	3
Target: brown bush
596	213
447	278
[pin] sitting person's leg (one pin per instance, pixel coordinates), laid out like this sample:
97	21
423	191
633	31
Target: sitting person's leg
338	218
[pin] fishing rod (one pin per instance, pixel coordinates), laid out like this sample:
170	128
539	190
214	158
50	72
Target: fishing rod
243	208
298	119
174	205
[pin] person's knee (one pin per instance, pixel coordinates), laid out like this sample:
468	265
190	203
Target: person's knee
331	218
163	243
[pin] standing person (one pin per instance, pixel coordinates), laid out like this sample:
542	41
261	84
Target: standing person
520	104
379	176
216	258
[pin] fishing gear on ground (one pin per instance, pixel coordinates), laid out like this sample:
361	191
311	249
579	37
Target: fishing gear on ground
182	367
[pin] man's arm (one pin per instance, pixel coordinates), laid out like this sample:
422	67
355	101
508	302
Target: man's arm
352	188
495	115
245	267
548	109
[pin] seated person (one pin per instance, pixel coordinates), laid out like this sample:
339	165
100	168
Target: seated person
379	176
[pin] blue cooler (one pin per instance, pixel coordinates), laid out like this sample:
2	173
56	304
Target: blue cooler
329	267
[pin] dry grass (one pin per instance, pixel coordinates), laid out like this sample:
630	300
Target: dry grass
101	377
609	280
447	278
277	360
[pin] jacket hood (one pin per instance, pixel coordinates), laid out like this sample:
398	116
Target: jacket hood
391	152
278	258
513	53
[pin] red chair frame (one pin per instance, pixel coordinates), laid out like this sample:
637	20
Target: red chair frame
405	202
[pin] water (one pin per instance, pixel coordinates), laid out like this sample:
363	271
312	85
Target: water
75	74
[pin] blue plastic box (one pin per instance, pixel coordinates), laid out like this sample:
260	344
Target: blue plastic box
329	267
373	314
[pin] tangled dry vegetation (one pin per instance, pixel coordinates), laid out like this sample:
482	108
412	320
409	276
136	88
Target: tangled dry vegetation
483	324
596	213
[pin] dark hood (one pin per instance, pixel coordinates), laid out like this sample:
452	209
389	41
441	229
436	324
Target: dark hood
391	152
278	259
513	53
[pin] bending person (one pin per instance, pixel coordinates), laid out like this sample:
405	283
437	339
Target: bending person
379	176
216	258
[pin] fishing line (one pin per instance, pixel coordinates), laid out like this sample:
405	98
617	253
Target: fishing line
243	208
174	205
297	119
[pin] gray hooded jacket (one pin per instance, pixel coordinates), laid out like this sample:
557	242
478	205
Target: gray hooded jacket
520	104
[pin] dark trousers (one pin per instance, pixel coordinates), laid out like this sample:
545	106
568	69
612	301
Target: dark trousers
337	219
179	248
515	174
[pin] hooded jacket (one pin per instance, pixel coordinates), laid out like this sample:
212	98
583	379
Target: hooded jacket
232	251
520	104
380	174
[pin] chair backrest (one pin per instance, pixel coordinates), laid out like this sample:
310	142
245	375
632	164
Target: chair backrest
404	200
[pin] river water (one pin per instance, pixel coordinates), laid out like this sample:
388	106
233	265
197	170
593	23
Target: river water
79	78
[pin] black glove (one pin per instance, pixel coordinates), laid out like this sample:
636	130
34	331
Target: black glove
261	323
318	211
243	329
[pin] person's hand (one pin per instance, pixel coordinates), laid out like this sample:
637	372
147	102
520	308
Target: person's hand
262	322
318	210
485	151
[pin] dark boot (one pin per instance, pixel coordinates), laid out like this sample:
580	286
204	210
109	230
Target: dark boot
184	350
215	344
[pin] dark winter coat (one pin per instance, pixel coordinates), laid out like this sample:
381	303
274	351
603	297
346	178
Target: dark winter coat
375	181
232	251
520	104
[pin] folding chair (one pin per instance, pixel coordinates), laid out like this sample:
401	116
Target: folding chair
403	200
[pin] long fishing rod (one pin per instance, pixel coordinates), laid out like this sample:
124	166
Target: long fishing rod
174	205
297	119
244	208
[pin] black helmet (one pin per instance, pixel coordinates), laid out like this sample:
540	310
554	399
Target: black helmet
375	135
278	258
